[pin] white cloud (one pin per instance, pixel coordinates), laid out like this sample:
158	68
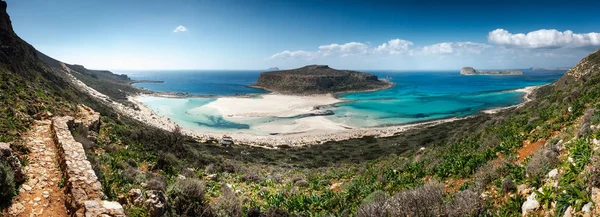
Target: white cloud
180	28
544	38
456	48
395	46
351	48
293	54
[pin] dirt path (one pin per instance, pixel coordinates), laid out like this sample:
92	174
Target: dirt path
529	148
40	195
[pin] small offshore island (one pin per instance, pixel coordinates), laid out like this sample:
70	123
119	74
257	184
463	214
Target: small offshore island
472	71
318	79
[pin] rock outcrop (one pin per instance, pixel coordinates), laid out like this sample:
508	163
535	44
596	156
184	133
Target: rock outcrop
318	79
472	71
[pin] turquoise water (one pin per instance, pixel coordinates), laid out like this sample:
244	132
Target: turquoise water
415	97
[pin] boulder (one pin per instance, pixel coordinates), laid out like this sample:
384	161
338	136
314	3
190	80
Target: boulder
553	173
135	196
530	205
156	203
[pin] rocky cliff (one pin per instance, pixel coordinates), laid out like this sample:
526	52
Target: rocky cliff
471	71
318	79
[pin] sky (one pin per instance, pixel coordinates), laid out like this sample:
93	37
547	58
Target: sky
256	34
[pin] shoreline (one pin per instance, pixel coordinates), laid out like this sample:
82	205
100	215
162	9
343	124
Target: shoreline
308	137
526	97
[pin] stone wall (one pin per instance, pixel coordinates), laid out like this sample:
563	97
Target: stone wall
83	190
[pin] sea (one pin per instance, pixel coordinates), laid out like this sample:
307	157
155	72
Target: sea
417	96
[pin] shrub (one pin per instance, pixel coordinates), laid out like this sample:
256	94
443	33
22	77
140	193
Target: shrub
130	174
7	184
465	203
228	204
373	205
132	162
423	201
187	198
584	127
157	183
485	175
302	183
251	177
167	162
508	185
542	162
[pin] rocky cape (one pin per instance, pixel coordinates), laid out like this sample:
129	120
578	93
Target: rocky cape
318	79
472	71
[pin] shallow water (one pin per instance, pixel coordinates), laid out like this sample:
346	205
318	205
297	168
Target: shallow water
416	96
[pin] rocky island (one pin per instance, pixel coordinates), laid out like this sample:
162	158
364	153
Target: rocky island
472	71
318	79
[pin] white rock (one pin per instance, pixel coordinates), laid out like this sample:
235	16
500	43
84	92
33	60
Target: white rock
26	187
112	205
180	177
553	173
587	208
568	212
530	205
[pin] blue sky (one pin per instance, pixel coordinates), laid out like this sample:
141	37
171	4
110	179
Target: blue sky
252	34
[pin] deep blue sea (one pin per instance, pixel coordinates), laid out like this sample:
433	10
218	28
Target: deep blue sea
416	96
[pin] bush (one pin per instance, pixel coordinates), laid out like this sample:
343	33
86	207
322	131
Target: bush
187	198
251	177
7	184
167	162
542	162
465	203
228	204
508	185
423	201
157	183
373	205
130	174
584	127
485	175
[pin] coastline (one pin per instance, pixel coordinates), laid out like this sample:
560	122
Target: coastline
526	98
327	132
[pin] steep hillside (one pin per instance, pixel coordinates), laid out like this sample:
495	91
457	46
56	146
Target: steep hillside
28	87
317	79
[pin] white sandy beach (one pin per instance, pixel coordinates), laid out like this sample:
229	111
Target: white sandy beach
270	105
294	132
526	99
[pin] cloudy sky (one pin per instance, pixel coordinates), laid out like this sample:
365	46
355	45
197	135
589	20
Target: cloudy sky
255	34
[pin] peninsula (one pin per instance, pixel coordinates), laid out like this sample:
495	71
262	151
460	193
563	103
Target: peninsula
318	79
472	71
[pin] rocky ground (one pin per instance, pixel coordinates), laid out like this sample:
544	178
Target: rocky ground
41	194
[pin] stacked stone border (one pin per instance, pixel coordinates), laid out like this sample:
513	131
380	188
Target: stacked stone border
83	190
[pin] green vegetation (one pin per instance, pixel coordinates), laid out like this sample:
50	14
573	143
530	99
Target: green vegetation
7	184
439	170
